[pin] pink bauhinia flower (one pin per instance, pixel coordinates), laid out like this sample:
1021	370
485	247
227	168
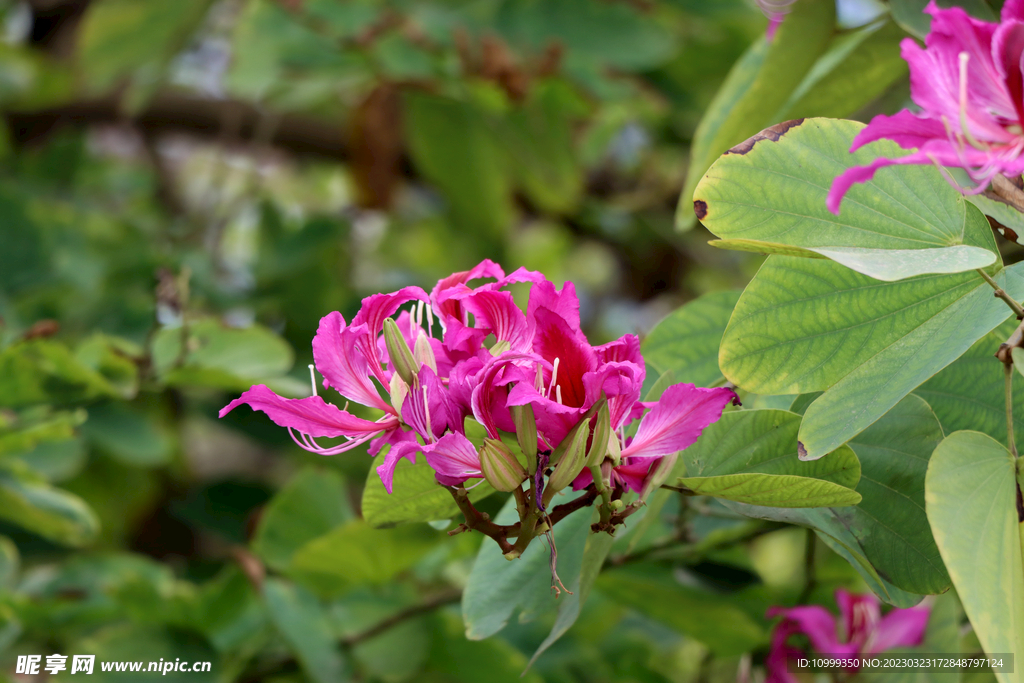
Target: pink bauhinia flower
861	630
968	83
539	358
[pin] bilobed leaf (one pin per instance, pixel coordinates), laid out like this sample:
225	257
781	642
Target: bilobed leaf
763	442
498	588
805	325
774	490
57	515
757	86
970	393
712	619
972	497
303	623
357	553
857	68
886	536
416	496
311	504
906	221
686	342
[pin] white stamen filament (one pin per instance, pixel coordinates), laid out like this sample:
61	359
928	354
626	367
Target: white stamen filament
538	381
558	394
419	314
312	378
430	321
554	378
426	411
964	57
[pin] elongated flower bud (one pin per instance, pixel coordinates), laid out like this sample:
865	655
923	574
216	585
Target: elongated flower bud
398	390
614	449
500	467
658	474
572	462
526	433
402	360
599	444
424	353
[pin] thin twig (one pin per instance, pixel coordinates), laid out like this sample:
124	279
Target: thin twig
1009	409
446	598
1001	294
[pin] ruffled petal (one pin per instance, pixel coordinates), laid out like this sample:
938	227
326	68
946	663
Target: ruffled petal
402	449
310	415
904	128
556	338
375	309
816	622
497	313
343	363
453	459
899	628
678	419
621	383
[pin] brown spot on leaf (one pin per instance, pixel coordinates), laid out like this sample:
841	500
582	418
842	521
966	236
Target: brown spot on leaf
771	133
800	450
700	207
1020	506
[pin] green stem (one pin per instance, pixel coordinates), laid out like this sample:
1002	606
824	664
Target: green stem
1009	410
606	496
1001	294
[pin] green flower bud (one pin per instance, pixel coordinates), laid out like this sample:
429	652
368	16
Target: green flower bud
526	433
616	505
424	353
401	357
398	390
599	444
658	474
614	449
572	462
500	467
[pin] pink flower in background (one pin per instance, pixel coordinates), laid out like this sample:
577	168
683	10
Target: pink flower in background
776	11
968	82
860	630
491	356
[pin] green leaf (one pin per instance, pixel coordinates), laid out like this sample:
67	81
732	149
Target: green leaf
686	342
44	371
757	86
456	659
886	534
805	325
357	553
416	497
597	549
453	147
857	68
52	513
232	615
33	427
970	393
906	221
303	623
712	619
972	500
219	356
764	442
129	434
118	37
773	490
910	13
498	588
10	563
312	503
114	359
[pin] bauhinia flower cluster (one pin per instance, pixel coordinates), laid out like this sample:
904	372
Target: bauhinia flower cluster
861	631
551	411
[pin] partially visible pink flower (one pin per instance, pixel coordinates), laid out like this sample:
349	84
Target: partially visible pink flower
861	630
969	84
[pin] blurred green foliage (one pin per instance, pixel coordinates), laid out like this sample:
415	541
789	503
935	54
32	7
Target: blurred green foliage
187	187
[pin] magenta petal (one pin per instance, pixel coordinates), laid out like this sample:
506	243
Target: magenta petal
899	628
621	383
555	338
1007	49
454	460
905	129
554	420
565	304
402	449
498	313
425	407
816	623
440	295
308	415
374	311
343	366
1012	9
678	419
776	663
634	474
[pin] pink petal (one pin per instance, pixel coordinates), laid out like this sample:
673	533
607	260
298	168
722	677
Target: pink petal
1007	50
497	313
905	129
343	366
308	415
440	295
625	349
815	622
634	474
678	419
454	460
565	304
375	309
402	449
860	613
425	407
621	383
490	395
899	628
554	420
776	663
555	338
1012	9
